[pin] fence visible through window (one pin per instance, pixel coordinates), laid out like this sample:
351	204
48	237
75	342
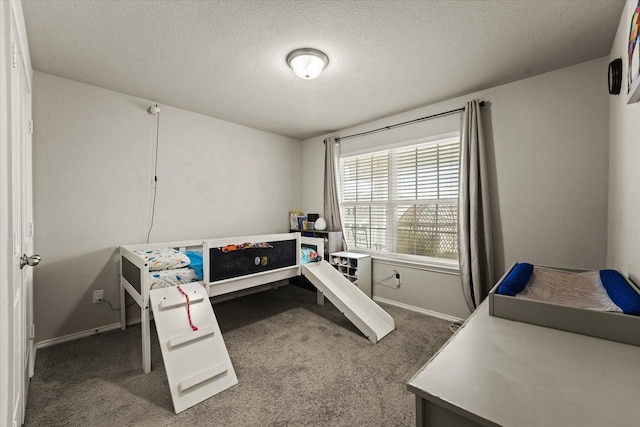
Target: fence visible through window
403	200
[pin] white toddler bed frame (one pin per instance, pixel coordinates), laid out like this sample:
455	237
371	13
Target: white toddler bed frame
218	279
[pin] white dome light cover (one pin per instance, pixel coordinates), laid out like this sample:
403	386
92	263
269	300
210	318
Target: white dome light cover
307	63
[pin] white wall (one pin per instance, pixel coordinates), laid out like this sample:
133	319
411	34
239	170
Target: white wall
93	175
624	174
547	141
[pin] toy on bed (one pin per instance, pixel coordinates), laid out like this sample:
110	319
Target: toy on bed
604	290
308	255
245	246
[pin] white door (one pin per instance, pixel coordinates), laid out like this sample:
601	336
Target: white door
20	357
26	224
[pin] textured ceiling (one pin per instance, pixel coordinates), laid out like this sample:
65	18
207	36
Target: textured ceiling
226	59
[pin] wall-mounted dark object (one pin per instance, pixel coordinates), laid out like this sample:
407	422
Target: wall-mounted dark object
615	76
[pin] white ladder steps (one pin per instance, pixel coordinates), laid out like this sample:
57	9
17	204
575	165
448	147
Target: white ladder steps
179	340
193	350
201	377
172	302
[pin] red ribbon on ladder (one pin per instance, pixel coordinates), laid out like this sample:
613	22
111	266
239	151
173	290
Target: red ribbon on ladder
193	327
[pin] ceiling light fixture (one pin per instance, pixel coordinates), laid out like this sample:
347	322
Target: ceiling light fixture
307	63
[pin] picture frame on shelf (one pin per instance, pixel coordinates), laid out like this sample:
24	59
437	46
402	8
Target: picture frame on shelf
294	222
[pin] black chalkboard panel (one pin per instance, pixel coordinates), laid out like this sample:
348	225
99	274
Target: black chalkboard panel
252	260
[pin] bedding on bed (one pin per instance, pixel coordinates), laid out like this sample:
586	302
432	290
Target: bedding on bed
175	277
605	290
195	262
164	258
170	267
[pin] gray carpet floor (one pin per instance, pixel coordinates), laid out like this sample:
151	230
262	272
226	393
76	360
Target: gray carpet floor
298	364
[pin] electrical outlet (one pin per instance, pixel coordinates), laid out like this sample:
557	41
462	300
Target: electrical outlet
97	296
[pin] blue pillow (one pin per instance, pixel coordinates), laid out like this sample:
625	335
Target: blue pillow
196	262
620	292
516	280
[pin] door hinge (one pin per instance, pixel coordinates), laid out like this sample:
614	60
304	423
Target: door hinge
30	127
14	56
33	332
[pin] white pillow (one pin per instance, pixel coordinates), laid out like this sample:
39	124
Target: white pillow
164	259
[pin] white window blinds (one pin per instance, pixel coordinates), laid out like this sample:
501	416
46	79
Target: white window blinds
403	200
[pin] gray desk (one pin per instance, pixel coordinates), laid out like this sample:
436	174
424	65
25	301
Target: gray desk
495	371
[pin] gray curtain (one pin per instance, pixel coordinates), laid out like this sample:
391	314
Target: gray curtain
474	217
331	201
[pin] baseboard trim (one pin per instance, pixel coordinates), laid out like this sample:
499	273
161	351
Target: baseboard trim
419	310
77	335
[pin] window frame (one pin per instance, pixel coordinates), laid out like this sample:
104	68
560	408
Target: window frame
430	263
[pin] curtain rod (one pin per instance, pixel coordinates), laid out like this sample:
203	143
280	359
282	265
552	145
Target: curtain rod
433	116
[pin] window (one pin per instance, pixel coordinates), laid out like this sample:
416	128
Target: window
403	200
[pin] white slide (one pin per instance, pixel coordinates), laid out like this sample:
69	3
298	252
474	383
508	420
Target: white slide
195	357
361	310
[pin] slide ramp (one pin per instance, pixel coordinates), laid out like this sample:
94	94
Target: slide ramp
195	356
361	310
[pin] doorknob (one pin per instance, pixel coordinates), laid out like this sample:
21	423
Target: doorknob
31	261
